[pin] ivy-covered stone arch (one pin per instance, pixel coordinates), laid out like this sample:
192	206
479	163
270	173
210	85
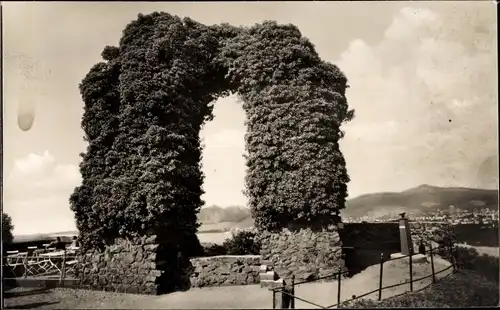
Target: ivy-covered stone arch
146	103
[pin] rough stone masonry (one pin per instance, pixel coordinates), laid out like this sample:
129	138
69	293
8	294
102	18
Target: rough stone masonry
128	266
225	270
305	253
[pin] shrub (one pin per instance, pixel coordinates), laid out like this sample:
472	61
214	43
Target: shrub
242	243
445	237
464	289
485	265
443	234
214	250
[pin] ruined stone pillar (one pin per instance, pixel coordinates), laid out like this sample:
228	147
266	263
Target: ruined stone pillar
405	235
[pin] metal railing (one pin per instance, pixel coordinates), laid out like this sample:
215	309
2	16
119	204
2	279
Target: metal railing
288	292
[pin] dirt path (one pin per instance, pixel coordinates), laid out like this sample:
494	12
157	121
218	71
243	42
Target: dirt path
325	294
236	297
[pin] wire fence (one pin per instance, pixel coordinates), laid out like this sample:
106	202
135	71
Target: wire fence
288	296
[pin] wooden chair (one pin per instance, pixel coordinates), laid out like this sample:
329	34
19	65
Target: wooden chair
15	259
71	260
37	265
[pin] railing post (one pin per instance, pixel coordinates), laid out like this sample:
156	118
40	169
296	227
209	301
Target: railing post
292	298
411	271
431	252
380	276
339	286
285	298
274	299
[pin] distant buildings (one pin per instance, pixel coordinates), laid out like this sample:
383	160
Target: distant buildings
484	216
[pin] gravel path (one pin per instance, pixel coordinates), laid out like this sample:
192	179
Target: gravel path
250	296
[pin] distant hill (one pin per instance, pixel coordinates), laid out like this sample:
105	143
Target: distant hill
215	218
420	200
215	214
45	237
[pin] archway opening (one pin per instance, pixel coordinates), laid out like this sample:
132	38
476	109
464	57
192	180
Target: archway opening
223	165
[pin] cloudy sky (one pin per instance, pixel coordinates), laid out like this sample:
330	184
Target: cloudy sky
422	75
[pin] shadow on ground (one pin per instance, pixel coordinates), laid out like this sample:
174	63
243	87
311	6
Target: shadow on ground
35	291
33	305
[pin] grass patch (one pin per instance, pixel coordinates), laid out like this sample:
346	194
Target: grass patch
484	265
476	284
463	289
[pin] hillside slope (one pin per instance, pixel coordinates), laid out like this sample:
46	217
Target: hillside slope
215	214
420	200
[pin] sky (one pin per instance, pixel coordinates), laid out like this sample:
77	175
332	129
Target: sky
422	76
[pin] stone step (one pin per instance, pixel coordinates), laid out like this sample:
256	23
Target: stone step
271	283
263	269
268	275
266	262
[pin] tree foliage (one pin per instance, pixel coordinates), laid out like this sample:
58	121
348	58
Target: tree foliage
145	106
7	228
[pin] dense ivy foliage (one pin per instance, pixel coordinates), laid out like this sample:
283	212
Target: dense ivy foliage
145	106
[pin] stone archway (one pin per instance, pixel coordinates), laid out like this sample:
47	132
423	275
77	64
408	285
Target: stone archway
144	108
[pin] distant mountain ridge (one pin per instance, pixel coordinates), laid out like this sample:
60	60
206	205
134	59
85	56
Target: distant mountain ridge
421	199
215	214
417	200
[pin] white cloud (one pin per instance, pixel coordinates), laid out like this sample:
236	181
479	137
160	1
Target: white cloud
37	194
425	100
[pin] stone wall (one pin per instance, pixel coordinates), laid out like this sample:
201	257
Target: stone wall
371	236
142	266
225	270
365	243
305	253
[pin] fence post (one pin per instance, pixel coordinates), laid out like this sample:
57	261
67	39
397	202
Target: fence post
411	271
292	300
63	268
453	260
432	264
339	285
381	275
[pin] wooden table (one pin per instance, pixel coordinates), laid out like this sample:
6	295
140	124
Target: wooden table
52	258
